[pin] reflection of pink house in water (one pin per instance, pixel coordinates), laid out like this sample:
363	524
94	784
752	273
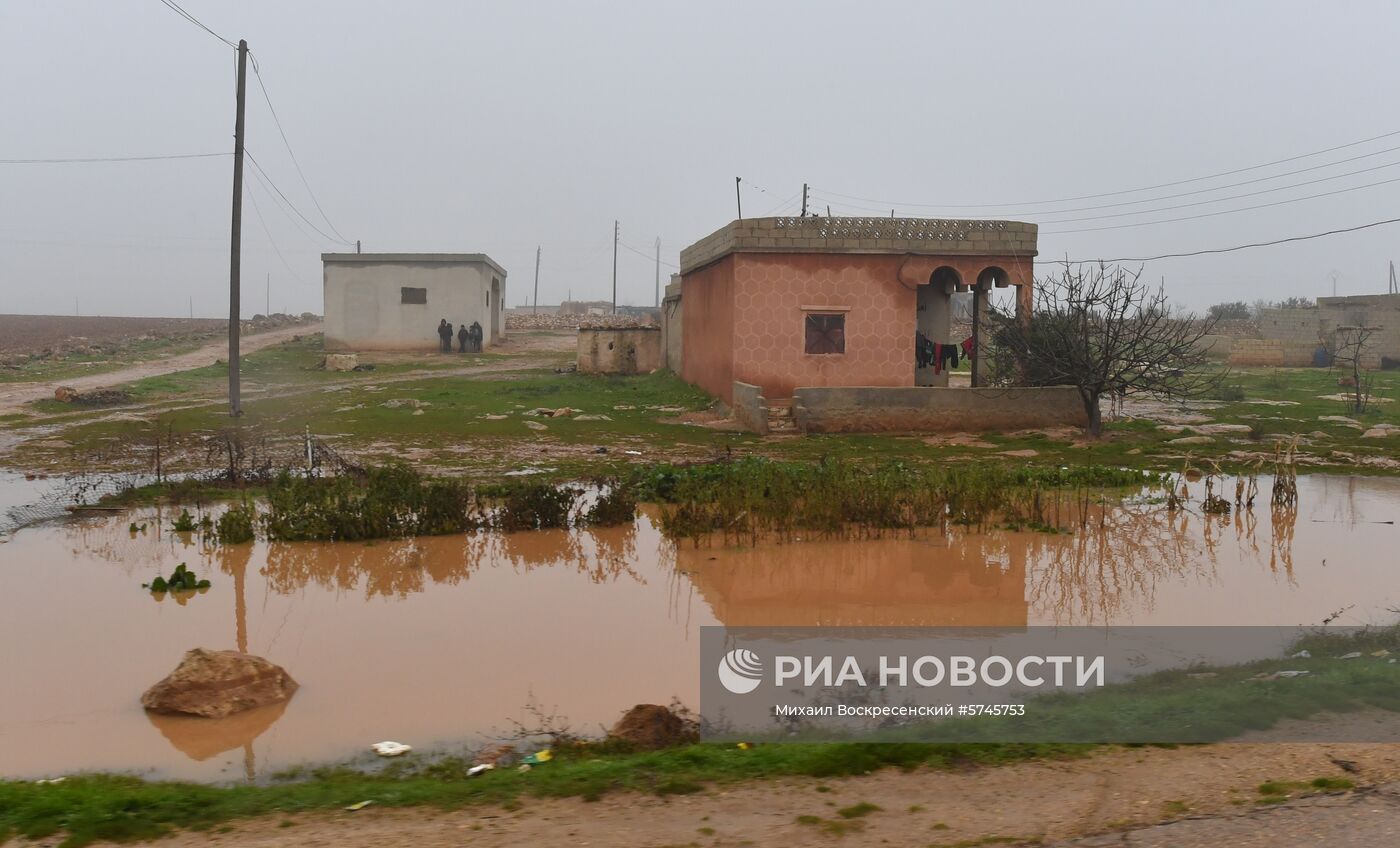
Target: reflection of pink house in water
973	580
777	312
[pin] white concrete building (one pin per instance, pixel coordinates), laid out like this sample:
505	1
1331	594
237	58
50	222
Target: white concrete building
393	301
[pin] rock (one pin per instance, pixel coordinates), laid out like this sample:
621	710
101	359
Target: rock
342	361
535	425
1192	440
65	394
214	684
1027	453
412	403
1379	433
648	727
1340	419
1220	429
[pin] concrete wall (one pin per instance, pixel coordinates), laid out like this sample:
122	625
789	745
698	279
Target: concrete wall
364	308
1272	353
749	407
707	325
672	331
926	409
630	350
1299	331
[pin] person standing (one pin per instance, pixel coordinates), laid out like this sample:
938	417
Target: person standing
462	336
444	336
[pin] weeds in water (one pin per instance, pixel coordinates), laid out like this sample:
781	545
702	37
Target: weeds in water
185	523
385	503
535	506
753	498
237	525
616	504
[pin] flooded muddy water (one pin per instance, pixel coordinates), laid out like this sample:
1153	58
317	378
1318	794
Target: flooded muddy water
437	641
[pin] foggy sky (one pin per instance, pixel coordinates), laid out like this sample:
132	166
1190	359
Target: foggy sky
447	126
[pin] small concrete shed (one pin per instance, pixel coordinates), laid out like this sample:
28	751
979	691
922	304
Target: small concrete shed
394	301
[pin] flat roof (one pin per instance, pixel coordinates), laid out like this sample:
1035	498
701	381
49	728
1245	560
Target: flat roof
414	258
923	236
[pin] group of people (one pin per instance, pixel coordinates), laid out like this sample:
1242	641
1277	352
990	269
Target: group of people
468	338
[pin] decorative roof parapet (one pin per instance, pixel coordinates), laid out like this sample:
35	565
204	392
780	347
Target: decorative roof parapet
929	236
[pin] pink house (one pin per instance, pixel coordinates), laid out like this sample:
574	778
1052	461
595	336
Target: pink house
771	307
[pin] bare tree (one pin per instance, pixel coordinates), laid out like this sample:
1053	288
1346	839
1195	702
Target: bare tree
1347	347
1103	331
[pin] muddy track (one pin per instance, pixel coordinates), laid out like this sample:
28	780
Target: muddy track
14	396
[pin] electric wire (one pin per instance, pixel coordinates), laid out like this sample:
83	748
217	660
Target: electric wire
887	204
85	159
175	7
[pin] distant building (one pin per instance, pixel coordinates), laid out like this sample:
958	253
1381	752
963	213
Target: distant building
394	301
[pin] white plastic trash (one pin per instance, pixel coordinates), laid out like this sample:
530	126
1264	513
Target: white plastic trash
390	749
475	770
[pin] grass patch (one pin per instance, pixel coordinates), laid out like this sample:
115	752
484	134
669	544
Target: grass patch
120	808
859	810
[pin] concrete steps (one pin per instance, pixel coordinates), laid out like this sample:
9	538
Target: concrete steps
780	416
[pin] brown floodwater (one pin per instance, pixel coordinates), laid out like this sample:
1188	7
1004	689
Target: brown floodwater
440	641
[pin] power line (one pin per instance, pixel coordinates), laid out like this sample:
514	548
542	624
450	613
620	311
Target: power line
79	159
1225	211
643	253
257	72
252	197
887	204
174	7
300	227
1226	197
1242	246
291	205
1031	214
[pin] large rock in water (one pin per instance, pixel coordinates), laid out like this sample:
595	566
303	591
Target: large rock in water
215	684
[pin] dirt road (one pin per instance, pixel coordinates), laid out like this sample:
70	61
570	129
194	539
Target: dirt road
1210	793
13	396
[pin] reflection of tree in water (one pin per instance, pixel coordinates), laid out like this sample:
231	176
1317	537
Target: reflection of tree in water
603	554
401	568
388	569
1112	564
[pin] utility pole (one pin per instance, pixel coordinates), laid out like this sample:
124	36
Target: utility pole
235	406
191	307
267	294
617	232
658	271
357	245
738	201
804	200
1394	287
538	249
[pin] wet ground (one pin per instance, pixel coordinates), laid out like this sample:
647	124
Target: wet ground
439	640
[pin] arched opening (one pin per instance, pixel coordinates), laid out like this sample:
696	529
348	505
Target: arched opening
933	342
993	276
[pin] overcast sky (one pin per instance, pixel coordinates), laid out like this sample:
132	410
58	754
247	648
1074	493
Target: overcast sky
496	127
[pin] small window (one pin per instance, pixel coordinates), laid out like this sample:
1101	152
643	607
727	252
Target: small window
826	333
409	295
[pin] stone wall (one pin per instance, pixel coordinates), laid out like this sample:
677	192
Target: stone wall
671	326
1272	353
749	407
863	235
633	350
932	409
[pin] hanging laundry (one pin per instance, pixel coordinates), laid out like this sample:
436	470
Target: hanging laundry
948	356
967	348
